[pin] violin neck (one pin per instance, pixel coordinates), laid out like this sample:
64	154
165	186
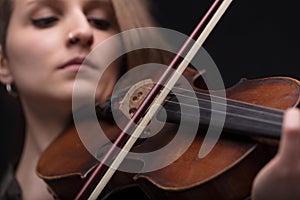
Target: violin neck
235	117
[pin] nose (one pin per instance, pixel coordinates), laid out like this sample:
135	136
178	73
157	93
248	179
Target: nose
81	33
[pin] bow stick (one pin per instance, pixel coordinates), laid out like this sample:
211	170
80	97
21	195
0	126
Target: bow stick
162	87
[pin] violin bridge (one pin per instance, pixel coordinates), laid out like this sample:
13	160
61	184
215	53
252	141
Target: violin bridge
134	97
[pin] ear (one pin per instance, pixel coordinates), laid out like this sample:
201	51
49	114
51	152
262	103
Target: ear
5	74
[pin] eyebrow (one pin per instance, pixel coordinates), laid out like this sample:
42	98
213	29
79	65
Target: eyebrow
47	1
38	1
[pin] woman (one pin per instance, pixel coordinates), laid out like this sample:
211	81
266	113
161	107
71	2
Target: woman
43	43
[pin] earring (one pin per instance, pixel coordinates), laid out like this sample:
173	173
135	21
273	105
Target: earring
10	90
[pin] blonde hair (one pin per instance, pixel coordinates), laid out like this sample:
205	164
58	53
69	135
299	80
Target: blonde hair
132	14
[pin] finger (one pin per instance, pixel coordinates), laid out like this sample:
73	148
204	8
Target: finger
290	141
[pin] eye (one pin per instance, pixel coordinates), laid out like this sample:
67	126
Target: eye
99	23
44	22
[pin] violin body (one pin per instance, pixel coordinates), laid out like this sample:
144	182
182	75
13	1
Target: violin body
227	172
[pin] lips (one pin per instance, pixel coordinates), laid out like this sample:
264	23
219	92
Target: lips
76	63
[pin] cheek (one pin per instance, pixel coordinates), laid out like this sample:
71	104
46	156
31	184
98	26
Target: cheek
106	48
29	54
105	51
29	47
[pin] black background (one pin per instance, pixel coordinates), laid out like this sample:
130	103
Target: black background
255	38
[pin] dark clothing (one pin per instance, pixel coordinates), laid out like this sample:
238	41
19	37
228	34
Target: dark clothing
9	187
11	144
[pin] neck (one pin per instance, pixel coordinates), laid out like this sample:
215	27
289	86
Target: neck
42	127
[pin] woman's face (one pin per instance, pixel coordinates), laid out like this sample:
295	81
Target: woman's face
47	40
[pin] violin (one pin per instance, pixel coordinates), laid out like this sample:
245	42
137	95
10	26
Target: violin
226	172
255	110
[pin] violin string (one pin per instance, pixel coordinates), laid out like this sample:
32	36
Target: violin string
240	105
277	116
271	122
230	102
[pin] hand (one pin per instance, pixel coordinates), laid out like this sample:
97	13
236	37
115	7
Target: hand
280	178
